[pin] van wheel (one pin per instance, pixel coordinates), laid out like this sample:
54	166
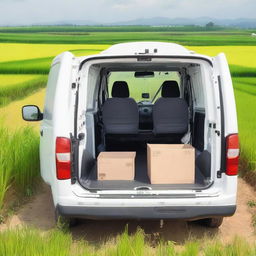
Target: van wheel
212	222
63	222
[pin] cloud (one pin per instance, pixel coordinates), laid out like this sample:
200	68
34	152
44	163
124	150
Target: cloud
151	5
36	11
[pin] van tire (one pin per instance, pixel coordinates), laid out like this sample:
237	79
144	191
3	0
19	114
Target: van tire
63	222
212	222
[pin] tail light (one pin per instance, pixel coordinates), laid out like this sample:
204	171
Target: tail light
63	158
232	157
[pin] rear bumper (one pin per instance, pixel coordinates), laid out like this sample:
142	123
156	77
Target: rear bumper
168	212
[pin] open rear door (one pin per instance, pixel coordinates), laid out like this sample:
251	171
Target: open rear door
226	86
58	112
227	103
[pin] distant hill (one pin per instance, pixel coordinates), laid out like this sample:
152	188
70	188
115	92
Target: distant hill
161	21
164	21
68	23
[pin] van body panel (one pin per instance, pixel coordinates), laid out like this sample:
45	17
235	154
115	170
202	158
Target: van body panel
228	114
229	105
162	212
58	114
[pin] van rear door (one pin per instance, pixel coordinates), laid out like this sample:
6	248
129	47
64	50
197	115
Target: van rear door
227	104
58	112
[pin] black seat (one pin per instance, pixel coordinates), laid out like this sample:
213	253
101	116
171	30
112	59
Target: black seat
120	113
170	112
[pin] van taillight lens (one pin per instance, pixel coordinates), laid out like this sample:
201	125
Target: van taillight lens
232	154
63	158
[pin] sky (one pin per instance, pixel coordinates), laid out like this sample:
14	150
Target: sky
27	12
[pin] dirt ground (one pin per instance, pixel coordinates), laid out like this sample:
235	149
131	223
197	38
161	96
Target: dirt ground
39	213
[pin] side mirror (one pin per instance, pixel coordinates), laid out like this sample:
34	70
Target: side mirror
31	113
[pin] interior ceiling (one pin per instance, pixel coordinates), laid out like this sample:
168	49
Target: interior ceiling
144	66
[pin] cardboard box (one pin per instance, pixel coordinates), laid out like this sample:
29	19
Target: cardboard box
171	163
116	165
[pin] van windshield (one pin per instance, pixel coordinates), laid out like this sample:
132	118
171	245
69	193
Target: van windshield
143	86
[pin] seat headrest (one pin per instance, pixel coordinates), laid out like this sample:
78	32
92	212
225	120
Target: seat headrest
170	89
120	90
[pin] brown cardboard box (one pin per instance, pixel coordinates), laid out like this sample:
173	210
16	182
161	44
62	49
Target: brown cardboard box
171	163
116	165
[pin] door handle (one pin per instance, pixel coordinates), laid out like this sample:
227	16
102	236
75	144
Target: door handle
42	133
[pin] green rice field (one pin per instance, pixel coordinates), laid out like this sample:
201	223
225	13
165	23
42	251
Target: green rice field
19	160
26	54
100	35
13	87
27	241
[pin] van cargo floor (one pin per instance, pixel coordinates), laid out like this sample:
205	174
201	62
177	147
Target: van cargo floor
141	180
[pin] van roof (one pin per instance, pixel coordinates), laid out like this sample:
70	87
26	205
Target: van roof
155	48
144	49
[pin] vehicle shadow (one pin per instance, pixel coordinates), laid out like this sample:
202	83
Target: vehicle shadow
98	231
39	213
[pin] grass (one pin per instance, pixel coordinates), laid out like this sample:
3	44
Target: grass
40	65
10	115
9	80
30	66
251	203
19	157
31	242
85	29
245	89
5	169
205	38
247	85
245	101
240	71
36	59
16	52
19	161
33	66
19	90
23	51
236	55
27	241
254	221
238	247
252	208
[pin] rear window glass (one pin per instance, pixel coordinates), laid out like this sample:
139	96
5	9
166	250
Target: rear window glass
143	85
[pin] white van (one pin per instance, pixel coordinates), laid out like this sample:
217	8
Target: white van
123	98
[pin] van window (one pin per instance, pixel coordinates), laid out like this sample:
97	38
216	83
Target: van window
143	85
